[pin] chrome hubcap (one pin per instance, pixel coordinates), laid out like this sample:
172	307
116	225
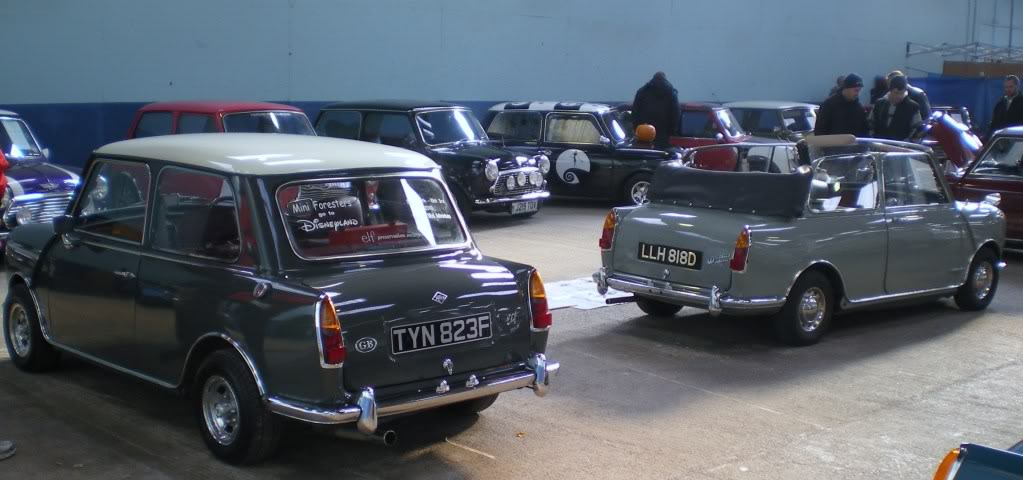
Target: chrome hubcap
20	330
638	193
220	410
983	280
812	308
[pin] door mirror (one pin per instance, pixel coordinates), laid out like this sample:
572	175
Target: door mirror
719	137
605	141
993	199
62	224
46	152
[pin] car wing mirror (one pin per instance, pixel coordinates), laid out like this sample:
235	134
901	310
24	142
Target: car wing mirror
46	152
605	141
63	224
719	137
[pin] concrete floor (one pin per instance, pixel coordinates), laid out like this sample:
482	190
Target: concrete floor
885	395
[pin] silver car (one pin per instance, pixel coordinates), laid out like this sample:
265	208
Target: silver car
866	223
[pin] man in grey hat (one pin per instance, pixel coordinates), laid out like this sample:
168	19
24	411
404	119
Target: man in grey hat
842	113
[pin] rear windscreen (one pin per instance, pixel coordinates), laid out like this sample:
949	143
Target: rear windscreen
362	216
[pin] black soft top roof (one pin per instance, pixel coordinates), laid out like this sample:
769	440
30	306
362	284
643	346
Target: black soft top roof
401	105
759	193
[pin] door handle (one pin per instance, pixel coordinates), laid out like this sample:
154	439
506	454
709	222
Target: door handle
125	274
70	241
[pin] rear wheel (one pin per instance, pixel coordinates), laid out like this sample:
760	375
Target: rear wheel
981	283
657	308
636	188
807	311
22	333
474	406
235	425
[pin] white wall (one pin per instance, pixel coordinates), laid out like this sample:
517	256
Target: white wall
140	50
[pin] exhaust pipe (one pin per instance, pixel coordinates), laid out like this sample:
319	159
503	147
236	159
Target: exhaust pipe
386	438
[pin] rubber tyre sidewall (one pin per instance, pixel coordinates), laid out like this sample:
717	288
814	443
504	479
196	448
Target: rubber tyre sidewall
474	406
657	308
966	298
786	323
41	355
627	189
259	430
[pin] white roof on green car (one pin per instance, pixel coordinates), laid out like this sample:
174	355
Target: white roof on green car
8	113
268	153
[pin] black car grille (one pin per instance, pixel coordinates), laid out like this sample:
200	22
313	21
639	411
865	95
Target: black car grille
43	208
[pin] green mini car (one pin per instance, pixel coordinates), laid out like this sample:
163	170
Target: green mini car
268	276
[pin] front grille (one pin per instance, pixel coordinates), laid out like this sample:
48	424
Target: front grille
43	207
501	186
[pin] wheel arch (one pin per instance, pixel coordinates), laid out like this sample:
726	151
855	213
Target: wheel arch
985	245
206	345
830	272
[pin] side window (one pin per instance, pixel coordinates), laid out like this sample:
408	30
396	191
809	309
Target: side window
339	124
843	184
195	214
768	120
697	124
113	202
154	123
393	129
572	129
911	180
1004	158
196	123
516	126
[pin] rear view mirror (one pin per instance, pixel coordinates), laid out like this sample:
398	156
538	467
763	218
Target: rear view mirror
62	224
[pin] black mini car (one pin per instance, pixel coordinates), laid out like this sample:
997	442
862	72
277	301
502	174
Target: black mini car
482	175
591	145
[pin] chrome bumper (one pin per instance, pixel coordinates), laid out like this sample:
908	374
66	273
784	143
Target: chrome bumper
710	299
365	412
513	198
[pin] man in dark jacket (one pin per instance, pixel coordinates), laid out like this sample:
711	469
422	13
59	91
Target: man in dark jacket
895	116
1009	109
915	94
843	113
656	103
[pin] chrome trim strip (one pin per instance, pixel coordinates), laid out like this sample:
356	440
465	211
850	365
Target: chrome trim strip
422	401
432	173
900	296
525	196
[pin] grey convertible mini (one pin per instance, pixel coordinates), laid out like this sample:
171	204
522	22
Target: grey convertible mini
870	223
267	276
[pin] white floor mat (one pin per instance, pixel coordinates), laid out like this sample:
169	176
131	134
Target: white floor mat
580	293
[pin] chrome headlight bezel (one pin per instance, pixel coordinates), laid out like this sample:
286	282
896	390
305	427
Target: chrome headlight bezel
545	165
491	170
23	219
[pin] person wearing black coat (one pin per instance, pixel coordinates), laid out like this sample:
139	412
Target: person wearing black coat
916	94
656	104
880	89
895	116
1009	109
843	113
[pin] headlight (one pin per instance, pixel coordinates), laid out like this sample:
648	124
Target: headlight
522	179
535	178
491	170
511	182
545	164
24	216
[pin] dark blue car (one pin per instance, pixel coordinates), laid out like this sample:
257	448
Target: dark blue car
36	190
977	462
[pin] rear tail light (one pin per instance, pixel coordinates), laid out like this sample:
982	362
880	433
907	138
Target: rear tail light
607	235
542	318
949	465
741	252
332	346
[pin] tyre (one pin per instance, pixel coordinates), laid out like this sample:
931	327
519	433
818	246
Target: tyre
657	308
636	188
807	313
981	283
26	345
474	406
235	425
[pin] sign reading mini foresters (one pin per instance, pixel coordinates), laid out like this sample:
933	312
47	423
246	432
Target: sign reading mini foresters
332	214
